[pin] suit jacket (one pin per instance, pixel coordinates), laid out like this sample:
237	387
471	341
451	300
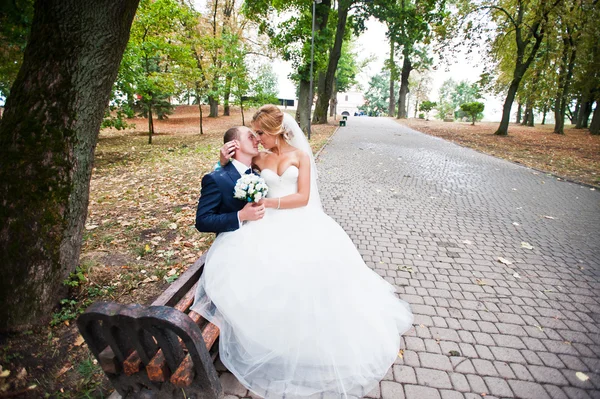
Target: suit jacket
217	208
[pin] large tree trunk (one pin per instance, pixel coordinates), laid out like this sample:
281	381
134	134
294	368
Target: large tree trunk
519	111
526	114
510	97
565	75
406	68
200	112
324	93
333	100
595	125
304	102
214	107
226	95
47	139
584	112
544	112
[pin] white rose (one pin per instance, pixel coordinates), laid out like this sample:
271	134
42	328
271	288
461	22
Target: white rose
257	197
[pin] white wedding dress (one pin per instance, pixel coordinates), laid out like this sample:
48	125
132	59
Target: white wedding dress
300	313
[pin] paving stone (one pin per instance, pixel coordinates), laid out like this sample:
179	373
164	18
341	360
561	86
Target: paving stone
231	386
451	394
528	390
462	365
459	382
498	387
555	392
476	383
375	393
521	372
404	375
504	370
433	361
551	360
507	354
576	393
484	367
547	375
391	390
421	392
433	378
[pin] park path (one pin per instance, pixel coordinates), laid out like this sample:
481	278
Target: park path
433	218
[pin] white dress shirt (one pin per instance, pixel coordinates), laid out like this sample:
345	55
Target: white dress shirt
241	168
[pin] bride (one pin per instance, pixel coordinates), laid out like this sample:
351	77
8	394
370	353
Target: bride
300	313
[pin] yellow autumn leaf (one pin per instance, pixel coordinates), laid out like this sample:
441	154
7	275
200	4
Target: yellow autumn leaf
582	376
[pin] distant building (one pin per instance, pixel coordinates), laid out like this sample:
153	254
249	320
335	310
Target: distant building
349	101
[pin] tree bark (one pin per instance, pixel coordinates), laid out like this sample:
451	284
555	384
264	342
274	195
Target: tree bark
214	107
406	68
324	93
226	95
333	100
584	112
526	115
595	125
544	112
565	75
530	118
392	105
519	113
150	124
200	111
303	110
47	141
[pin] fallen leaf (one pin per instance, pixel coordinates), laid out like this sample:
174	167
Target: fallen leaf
454	353
173	226
505	261
468	242
91	226
480	282
516	224
516	275
79	341
5	374
549	217
582	376
401	354
526	245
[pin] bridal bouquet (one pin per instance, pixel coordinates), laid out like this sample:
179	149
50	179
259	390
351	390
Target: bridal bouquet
250	188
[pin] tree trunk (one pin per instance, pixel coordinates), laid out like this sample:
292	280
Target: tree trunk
150	125
303	110
595	125
584	112
530	118
392	105
510	97
565	75
519	113
406	68
575	115
526	115
214	107
416	107
47	141
333	99
242	109
200	111
226	95
324	93
544	112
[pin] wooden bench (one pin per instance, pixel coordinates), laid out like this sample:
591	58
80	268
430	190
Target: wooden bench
163	350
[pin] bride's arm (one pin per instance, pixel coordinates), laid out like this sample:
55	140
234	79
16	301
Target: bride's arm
300	198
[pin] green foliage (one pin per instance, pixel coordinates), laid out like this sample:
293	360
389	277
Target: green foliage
453	94
377	95
473	109
15	22
264	88
427	106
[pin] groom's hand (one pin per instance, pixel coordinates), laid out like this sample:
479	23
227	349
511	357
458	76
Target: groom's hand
252	211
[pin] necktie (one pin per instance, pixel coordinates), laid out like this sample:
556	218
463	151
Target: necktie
248	171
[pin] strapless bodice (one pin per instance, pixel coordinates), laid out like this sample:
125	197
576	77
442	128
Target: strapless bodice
280	186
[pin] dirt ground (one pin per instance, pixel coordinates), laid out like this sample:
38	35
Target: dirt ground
139	237
574	156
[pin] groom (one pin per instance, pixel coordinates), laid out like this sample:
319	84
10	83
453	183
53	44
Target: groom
218	211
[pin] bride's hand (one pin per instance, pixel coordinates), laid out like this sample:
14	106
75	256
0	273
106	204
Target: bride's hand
228	151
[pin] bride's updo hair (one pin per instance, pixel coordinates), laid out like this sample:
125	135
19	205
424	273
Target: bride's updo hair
269	119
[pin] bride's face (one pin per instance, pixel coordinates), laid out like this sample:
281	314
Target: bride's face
265	139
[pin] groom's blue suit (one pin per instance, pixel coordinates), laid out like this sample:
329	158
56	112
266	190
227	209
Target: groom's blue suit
217	208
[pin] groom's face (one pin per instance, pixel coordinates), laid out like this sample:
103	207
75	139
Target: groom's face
248	141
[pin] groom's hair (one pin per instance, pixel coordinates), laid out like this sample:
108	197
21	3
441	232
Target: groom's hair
232	134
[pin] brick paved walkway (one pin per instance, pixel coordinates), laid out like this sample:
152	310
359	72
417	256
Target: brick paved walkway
433	218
